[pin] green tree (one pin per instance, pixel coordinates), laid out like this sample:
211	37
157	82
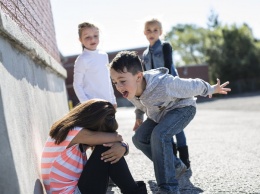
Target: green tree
188	42
231	51
234	55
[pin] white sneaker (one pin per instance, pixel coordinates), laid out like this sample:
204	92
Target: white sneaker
180	170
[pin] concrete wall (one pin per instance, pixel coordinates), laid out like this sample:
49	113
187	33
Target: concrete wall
32	96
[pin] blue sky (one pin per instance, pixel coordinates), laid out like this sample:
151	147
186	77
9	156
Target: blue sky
121	22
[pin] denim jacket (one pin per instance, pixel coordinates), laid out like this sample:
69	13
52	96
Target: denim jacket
156	53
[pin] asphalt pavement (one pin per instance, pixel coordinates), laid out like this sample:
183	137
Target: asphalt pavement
224	147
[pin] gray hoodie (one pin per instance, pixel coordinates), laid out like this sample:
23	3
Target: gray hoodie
164	92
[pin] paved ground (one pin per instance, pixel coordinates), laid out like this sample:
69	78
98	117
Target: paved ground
224	145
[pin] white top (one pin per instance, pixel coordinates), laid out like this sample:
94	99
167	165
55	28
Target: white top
92	77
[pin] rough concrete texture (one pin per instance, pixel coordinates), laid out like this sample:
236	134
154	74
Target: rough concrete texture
224	144
32	97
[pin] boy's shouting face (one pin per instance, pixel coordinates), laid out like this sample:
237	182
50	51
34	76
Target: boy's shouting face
127	84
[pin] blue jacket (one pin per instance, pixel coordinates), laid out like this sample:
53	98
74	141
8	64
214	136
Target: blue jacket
161	54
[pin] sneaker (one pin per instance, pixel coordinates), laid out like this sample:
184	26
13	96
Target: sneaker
180	170
186	161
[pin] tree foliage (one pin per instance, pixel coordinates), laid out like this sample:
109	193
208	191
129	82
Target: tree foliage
235	56
187	41
231	52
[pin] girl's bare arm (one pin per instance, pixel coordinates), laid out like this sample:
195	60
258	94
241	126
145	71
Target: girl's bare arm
95	138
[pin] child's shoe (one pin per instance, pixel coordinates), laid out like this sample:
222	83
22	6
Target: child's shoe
180	170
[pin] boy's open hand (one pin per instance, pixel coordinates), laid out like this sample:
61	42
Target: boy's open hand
220	89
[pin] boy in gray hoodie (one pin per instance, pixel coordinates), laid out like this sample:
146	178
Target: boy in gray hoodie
169	104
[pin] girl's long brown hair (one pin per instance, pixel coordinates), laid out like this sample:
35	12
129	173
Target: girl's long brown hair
94	115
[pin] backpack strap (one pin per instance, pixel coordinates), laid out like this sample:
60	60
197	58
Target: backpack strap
168	62
167	55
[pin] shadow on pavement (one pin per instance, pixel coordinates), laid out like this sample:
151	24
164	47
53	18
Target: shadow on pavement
186	187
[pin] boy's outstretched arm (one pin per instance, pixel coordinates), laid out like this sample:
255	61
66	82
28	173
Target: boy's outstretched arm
220	89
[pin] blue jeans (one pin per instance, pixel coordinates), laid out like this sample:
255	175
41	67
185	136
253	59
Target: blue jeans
155	141
180	139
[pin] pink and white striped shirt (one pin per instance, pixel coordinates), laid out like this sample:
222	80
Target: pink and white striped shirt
61	167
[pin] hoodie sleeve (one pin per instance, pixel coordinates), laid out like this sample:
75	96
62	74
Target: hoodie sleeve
186	88
139	109
139	114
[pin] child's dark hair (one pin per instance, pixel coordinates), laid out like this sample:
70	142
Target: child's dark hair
127	61
94	115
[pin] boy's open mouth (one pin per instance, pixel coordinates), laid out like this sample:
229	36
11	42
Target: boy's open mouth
125	94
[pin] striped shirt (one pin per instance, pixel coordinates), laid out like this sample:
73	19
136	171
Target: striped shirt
61	167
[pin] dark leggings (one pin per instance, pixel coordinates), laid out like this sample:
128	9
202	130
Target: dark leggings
95	175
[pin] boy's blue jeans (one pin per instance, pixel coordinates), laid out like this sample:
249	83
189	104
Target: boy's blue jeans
155	141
